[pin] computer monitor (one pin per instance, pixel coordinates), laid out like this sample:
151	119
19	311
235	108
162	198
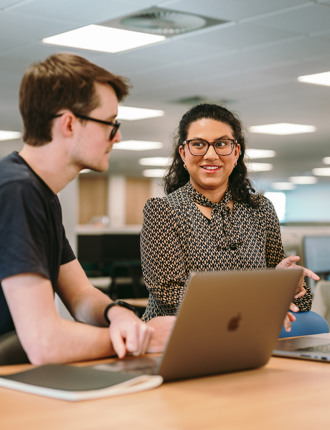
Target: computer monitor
316	251
121	246
97	251
90	248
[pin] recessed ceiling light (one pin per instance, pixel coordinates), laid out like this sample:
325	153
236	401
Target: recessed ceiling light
137	145
259	167
283	186
321	171
282	128
103	39
260	153
154	173
326	160
133	113
303	180
9	135
155	161
316	78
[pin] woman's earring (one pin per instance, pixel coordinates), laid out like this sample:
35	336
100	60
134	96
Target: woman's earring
184	166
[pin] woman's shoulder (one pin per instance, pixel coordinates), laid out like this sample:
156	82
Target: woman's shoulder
260	203
266	210
265	203
176	198
156	207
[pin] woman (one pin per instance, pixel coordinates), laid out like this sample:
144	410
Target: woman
211	218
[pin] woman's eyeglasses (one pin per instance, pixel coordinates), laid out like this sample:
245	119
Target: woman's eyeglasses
221	146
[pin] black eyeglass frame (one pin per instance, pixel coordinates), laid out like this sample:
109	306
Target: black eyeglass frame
115	124
233	142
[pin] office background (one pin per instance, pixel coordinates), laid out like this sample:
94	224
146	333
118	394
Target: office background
244	54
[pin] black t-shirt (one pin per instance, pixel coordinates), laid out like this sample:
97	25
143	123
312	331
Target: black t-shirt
32	236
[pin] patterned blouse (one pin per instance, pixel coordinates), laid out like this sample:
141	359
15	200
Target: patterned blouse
177	239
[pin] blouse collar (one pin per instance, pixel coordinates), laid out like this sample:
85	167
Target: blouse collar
223	225
199	198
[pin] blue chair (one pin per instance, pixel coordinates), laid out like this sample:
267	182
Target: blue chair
306	323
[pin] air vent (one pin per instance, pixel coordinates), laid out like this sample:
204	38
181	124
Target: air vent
195	100
165	22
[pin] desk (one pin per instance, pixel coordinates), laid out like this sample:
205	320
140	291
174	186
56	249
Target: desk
284	394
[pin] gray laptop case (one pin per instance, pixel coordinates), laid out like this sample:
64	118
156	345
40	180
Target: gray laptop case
228	321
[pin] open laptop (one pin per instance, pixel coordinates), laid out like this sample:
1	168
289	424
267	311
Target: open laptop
228	321
313	347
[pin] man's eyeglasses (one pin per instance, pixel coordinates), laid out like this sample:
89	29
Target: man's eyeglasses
115	124
200	146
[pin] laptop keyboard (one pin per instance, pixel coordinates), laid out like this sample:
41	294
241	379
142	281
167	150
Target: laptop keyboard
317	348
142	365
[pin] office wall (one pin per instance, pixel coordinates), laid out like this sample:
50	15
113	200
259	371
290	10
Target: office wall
116	201
305	204
138	191
308	203
69	202
93	197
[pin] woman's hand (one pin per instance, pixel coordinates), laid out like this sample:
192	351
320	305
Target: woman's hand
290	263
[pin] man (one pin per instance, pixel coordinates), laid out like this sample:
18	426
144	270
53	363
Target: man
69	108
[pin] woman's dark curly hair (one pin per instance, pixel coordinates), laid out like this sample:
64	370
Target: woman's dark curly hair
177	175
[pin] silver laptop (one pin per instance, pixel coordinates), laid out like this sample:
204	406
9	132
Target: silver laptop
228	321
313	347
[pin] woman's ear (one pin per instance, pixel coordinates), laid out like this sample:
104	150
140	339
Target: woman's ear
182	153
237	151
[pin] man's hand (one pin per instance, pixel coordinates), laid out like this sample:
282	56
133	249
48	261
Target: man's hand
161	329
128	333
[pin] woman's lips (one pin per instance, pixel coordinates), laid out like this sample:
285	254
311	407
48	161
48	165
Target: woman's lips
211	168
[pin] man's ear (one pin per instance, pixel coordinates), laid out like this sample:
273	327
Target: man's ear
67	123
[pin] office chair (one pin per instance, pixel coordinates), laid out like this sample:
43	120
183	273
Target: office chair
11	350
321	299
306	323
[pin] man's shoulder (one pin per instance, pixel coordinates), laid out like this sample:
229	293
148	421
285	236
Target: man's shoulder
13	168
18	183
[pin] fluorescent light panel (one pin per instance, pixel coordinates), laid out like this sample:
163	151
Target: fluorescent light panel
137	145
134	113
326	160
282	128
155	161
103	39
259	167
303	180
9	135
154	173
316	78
321	171
260	153
283	186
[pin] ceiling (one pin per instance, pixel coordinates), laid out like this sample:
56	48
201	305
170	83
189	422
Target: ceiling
249	64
